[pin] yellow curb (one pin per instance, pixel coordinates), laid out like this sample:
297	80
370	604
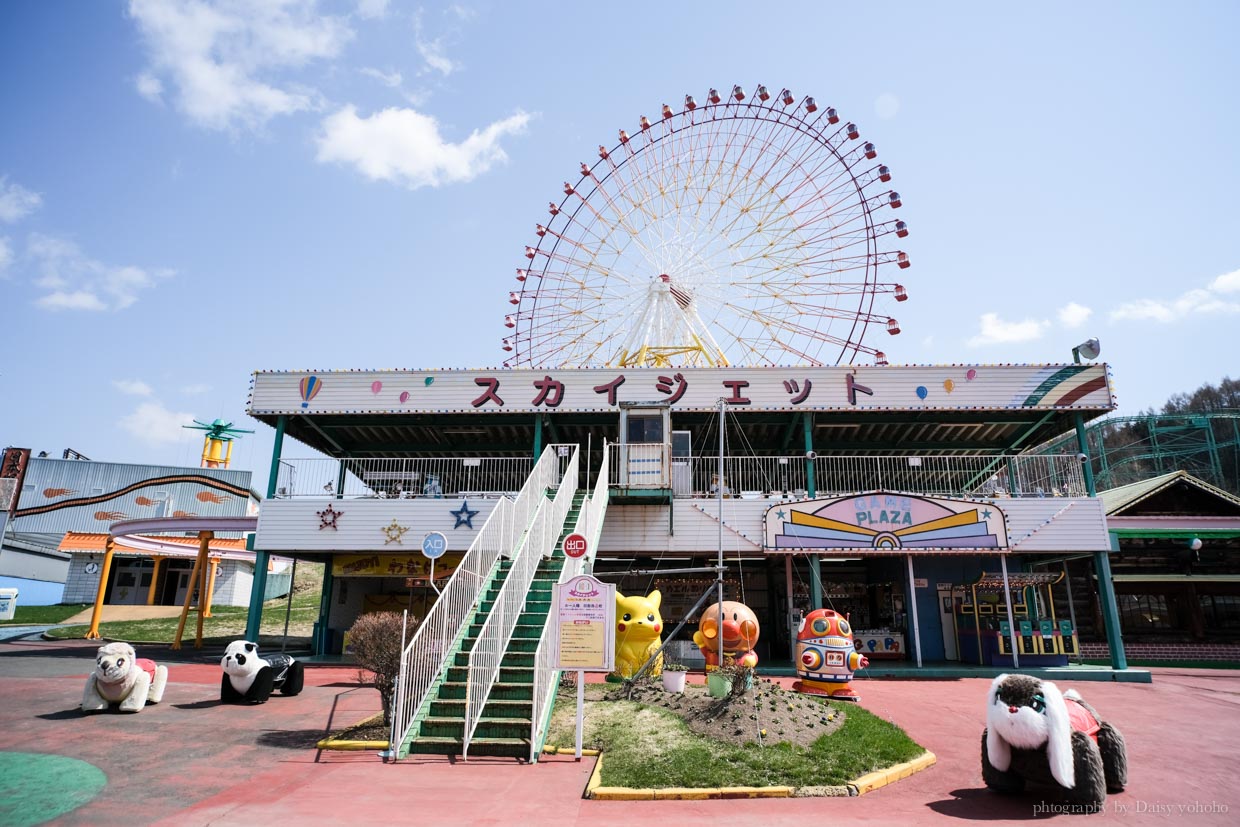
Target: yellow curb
328	743
593	783
685	794
550	750
621	794
755	792
881	778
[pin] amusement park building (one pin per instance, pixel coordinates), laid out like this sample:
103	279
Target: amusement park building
51	550
408	452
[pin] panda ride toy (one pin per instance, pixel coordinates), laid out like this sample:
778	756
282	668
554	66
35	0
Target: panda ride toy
250	679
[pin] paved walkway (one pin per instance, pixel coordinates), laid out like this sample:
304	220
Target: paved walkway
111	613
192	761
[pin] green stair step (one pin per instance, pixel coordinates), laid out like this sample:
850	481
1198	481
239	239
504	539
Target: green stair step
500	691
506	747
507	674
494	709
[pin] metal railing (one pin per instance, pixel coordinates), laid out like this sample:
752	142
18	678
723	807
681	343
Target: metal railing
424	656
590	525
988	475
396	478
488	650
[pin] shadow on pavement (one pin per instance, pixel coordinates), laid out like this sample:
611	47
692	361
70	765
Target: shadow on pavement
985	805
291	738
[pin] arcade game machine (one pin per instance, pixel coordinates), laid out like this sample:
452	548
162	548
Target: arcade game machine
983	635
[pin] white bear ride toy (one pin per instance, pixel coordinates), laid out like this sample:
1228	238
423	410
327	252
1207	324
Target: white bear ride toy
250	679
123	679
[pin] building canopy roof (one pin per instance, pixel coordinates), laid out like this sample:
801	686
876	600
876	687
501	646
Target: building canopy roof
921	409
1176	493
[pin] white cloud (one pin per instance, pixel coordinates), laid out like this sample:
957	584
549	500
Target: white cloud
1192	303
195	390
6	254
1227	283
152	422
372	9
995	331
433	51
404	146
74	281
16	202
1074	315
150	87
887	106
134	387
228	59
392	80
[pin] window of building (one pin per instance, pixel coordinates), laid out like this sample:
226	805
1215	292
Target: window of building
1220	611
1144	613
645	430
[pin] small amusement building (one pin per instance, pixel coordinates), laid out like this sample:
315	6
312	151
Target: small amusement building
682	388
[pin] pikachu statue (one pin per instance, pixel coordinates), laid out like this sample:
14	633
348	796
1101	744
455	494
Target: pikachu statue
638	629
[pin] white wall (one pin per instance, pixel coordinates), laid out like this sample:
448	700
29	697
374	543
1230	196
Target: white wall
1034	524
293	525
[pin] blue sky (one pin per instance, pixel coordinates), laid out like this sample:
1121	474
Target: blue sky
192	191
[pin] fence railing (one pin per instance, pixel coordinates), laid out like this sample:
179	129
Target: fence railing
401	478
589	525
488	651
425	654
988	475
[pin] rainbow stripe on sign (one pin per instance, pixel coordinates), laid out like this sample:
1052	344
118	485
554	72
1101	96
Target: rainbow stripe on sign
1066	386
885	521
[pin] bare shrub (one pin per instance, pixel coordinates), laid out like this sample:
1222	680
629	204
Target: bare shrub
374	640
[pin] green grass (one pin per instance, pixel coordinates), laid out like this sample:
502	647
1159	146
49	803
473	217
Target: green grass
226	624
38	615
647	747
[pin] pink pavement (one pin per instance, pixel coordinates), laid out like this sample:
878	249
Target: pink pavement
191	761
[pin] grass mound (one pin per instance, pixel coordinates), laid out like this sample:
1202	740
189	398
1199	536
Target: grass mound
659	739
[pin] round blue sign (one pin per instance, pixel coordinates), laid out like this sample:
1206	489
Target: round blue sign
434	545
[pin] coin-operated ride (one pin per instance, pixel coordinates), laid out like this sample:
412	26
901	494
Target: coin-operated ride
826	657
737	625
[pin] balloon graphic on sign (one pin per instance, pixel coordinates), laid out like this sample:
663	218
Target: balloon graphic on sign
971	375
428	380
949	385
375	387
310	387
404	397
921	391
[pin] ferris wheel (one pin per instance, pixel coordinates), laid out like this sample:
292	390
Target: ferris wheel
745	230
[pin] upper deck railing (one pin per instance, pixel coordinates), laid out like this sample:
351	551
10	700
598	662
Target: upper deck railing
396	478
989	475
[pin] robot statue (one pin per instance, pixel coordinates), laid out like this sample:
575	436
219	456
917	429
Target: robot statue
826	657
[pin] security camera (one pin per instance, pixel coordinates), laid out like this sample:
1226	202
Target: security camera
810	455
1082	458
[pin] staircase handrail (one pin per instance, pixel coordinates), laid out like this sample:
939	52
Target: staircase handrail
590	525
423	658
488	650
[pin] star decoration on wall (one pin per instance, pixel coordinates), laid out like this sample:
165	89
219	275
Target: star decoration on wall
464	516
394	532
328	517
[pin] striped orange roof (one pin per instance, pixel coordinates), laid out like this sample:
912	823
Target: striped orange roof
85	541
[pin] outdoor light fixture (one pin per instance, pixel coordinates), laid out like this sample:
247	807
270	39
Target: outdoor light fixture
1088	348
1195	544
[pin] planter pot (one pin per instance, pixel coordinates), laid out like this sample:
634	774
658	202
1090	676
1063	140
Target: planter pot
719	686
674	681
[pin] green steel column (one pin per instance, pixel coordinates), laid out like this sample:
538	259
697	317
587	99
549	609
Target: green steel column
1102	565
538	426
254	617
815	568
340	477
319	644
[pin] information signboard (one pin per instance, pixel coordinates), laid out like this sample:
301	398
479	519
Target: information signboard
584	614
